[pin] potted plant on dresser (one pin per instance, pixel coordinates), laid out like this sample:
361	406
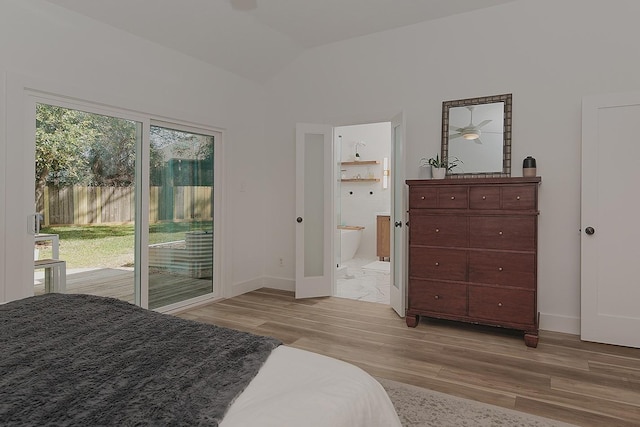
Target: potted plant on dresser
439	167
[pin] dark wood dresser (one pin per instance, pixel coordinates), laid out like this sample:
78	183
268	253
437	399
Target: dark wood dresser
473	252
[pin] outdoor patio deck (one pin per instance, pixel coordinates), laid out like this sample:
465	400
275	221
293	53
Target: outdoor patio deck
164	288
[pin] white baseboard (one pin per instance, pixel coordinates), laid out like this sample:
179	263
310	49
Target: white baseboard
263	282
559	323
248	286
280	283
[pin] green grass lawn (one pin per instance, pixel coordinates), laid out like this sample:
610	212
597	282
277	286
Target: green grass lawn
109	245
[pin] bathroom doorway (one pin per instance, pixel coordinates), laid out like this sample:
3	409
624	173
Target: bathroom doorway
363	205
319	205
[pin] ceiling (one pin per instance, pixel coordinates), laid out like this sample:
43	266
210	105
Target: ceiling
257	43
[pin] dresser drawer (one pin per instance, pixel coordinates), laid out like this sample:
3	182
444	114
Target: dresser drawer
496	232
438	297
453	198
519	197
503	305
503	268
438	230
442	264
484	198
423	198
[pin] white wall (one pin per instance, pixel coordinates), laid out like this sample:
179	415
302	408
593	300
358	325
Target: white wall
357	205
548	53
76	56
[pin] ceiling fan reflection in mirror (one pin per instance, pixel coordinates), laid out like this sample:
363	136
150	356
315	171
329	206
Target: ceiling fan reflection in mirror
470	131
244	4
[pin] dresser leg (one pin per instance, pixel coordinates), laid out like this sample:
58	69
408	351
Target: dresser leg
531	339
412	320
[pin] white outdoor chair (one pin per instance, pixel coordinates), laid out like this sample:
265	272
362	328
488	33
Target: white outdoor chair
55	274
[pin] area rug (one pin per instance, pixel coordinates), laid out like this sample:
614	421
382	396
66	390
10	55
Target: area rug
379	266
420	407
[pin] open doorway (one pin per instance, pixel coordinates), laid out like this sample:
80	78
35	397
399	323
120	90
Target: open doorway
363	207
319	206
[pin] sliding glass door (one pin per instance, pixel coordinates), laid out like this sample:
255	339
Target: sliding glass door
155	247
85	202
181	214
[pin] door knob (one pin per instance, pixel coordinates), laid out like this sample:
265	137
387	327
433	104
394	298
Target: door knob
590	230
398	223
299	219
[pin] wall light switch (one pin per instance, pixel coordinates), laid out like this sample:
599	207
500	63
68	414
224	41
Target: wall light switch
243	186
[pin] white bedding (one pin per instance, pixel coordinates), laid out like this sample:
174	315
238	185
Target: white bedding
300	388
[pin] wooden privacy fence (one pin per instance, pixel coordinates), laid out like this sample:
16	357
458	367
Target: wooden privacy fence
102	205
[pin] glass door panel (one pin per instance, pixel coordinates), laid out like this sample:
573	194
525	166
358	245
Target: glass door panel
181	234
337	199
85	197
314	205
398	210
398	296
314	211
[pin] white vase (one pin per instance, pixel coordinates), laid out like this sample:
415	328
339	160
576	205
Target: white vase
438	173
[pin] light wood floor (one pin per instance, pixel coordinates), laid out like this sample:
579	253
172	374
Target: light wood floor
565	379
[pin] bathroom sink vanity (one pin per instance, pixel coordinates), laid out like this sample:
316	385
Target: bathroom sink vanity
383	236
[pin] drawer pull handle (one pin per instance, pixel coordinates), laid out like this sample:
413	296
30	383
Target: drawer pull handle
422	198
453	197
437	297
484	197
500	233
437	263
499	268
499	304
517	197
437	230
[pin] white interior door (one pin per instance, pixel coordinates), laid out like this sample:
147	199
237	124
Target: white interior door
398	214
314	208
610	287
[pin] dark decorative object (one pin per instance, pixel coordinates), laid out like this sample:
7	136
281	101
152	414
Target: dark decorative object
529	167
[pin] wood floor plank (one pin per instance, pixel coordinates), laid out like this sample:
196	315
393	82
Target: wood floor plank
377	316
364	353
614	394
615	370
583	383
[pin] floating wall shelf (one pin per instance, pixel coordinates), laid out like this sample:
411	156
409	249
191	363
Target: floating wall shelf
360	180
361	162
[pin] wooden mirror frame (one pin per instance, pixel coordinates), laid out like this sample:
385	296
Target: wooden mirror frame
506	146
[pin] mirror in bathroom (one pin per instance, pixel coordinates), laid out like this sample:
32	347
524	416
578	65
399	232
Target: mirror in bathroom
477	131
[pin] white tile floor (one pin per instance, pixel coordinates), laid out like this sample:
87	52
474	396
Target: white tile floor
354	282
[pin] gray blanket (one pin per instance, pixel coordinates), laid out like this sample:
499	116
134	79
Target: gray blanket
90	361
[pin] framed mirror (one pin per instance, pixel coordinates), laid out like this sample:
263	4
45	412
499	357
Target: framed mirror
477	131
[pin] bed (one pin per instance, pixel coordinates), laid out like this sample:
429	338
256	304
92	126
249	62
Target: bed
87	360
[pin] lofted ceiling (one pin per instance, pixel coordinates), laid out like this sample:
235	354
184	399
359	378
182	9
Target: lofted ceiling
257	43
